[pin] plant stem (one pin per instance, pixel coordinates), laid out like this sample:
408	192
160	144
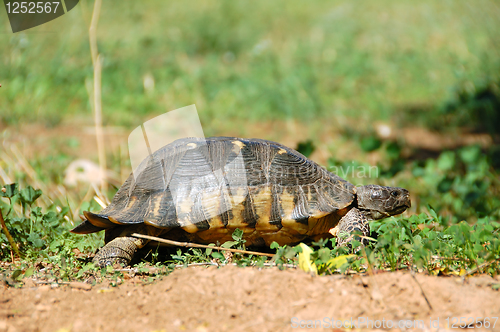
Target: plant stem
9	237
96	62
196	245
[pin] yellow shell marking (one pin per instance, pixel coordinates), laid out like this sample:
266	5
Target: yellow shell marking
262	201
239	144
281	151
183	209
287	204
192	145
131	201
287	221
211	207
153	216
156	202
238	208
238	195
184	206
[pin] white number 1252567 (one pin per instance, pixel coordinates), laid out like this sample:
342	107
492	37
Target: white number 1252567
23	7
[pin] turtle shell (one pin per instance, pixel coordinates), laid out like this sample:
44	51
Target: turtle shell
209	187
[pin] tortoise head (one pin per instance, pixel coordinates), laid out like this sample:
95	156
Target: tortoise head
379	202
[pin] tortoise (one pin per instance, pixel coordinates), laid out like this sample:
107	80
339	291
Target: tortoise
202	189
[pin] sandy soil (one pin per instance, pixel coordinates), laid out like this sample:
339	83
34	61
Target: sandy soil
248	299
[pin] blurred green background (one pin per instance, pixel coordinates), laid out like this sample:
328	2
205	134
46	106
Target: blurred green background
260	61
411	87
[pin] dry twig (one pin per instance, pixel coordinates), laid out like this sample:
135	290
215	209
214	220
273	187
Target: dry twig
477	268
196	245
450	258
96	62
421	290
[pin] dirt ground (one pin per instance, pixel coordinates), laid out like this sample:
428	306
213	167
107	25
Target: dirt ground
249	299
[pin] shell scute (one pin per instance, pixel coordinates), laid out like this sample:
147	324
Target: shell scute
215	185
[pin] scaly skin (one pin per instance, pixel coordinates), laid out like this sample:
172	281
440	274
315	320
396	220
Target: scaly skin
120	250
374	202
354	220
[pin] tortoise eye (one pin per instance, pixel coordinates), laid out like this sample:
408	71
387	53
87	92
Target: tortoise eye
394	193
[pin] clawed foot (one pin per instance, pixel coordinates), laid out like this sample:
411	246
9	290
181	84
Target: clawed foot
120	250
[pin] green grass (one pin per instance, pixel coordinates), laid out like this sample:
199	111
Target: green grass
270	60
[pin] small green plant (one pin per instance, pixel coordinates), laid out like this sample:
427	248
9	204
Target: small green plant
46	247
37	232
421	242
462	183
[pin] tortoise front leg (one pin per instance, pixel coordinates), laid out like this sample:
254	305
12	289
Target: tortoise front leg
120	250
354	220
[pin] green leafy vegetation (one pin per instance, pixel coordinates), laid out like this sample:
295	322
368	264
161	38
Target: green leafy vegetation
429	242
39	233
275	60
421	242
42	237
325	64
